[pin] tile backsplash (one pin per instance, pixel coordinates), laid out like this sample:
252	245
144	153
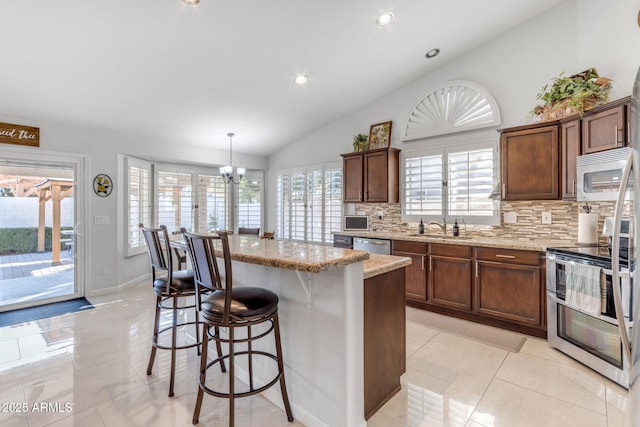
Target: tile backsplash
564	220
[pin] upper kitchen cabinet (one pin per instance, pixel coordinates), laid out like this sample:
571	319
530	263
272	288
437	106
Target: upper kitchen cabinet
371	176
570	143
529	162
606	127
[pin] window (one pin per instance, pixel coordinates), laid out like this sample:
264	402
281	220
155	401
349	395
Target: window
309	203
250	201
451	183
196	199
139	202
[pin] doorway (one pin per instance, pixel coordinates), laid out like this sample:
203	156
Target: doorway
40	233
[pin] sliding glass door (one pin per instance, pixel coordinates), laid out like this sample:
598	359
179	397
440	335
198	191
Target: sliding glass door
40	233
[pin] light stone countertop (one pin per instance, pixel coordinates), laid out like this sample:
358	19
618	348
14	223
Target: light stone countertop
310	258
471	240
379	264
289	255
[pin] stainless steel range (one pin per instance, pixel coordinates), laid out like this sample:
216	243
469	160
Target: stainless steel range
581	317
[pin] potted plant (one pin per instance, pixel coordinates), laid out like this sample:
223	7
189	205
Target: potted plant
573	94
360	142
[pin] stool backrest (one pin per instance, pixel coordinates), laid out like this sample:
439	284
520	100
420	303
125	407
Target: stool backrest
202	251
159	249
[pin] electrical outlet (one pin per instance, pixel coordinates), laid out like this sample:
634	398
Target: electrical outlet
546	217
510	218
380	214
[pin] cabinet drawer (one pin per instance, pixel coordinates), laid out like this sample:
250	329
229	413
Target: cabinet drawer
454	251
407	246
511	256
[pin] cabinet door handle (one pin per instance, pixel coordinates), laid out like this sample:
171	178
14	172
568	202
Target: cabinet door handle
504	189
615	133
476	269
423	262
575	187
505	256
430	264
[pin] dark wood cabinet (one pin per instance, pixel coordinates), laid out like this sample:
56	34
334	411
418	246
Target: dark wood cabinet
371	176
504	288
508	286
384	338
416	273
530	157
605	128
352	178
570	146
449	283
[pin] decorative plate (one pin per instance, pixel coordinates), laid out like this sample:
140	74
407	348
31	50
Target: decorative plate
102	185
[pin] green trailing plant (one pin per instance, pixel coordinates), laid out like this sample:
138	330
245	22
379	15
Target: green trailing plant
572	94
360	142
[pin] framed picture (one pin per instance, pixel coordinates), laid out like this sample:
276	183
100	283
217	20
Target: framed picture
380	135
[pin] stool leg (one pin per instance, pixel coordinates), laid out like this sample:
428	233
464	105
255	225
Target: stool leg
231	379
199	347
283	386
250	358
219	348
156	325
173	344
203	375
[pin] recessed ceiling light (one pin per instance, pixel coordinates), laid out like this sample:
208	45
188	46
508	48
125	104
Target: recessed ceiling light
385	18
301	79
191	2
432	53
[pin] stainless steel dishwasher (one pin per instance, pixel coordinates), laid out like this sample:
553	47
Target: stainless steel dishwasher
373	246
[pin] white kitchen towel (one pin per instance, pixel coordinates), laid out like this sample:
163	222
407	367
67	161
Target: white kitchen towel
583	287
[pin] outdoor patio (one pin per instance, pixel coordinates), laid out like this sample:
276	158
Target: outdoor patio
28	277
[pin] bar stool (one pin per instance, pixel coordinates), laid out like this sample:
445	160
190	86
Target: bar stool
231	308
168	287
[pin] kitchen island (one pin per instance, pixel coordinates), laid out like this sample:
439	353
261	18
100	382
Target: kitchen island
341	315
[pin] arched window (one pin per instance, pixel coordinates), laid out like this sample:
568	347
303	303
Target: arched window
450	107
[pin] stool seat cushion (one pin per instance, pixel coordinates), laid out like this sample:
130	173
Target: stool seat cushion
245	302
182	281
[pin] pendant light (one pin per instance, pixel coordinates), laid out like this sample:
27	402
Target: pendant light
227	171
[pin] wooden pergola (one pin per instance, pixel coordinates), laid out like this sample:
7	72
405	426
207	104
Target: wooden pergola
54	190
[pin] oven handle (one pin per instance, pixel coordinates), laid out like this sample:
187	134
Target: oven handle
615	259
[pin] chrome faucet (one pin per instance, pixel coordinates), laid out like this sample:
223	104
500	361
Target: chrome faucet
443	226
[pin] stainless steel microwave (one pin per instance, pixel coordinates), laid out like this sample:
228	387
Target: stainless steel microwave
356	222
599	174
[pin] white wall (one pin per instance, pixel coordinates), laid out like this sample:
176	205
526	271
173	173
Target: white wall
513	67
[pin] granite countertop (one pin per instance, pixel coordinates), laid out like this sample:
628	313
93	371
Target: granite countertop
471	240
289	255
379	264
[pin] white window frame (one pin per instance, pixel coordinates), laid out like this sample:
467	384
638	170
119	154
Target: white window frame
326	228
147	220
445	150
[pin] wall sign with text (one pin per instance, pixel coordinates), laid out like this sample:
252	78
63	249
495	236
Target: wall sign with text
19	135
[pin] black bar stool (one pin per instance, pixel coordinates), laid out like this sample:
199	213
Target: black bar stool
226	307
168	287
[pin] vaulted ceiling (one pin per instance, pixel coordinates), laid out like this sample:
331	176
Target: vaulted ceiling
192	74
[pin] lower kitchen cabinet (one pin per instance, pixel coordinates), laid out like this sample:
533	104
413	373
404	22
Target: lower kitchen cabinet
504	288
509	286
416	273
449	283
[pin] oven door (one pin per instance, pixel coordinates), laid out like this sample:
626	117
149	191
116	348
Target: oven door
591	340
